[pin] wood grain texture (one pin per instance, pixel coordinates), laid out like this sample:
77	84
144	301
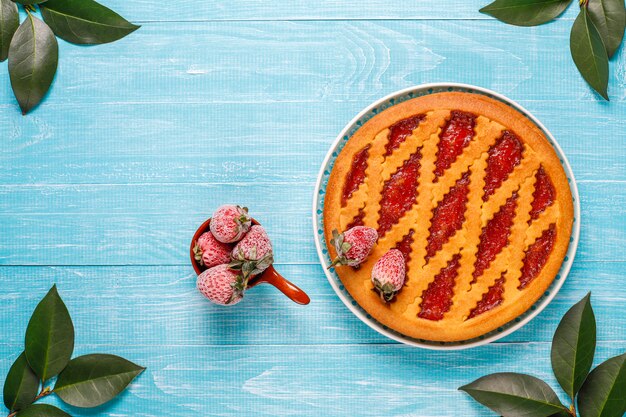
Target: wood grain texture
378	380
152	225
102	187
189	10
160	303
329	61
268	143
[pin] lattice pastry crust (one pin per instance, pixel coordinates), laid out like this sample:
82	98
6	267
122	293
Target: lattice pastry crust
480	291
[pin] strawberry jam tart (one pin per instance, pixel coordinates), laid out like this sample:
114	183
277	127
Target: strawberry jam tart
473	196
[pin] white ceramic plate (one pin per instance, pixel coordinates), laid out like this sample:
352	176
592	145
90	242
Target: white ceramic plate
318	208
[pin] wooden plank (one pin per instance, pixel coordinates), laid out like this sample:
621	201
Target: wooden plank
241	142
189	10
141	139
152	225
376	380
159	305
331	61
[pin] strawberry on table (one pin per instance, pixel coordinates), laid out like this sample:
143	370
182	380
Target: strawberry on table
388	274
354	245
253	254
230	223
221	285
210	252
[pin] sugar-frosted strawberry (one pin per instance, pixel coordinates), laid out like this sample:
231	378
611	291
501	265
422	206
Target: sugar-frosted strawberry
388	274
221	285
210	252
354	245
253	254
230	223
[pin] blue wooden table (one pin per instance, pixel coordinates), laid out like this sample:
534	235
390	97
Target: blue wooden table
102	187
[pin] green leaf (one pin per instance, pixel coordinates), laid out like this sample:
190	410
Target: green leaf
609	17
526	12
589	53
563	414
85	21
515	395
33	57
42	410
49	336
604	392
92	380
573	346
21	385
9	21
29	2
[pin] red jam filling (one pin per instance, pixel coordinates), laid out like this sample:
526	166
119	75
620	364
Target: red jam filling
537	255
456	135
494	236
357	221
356	176
400	131
504	156
399	193
544	193
404	246
437	299
448	216
491	299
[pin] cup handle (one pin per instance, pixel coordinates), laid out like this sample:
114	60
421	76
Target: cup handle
272	277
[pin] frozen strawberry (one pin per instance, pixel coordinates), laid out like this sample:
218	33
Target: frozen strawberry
354	245
388	274
210	252
221	285
230	223
253	254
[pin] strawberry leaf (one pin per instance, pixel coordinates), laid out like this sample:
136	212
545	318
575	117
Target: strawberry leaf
589	53
526	12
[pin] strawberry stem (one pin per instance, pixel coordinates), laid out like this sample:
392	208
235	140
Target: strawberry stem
335	262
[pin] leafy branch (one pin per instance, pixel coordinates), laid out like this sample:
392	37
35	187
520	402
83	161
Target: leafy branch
32	49
596	34
600	393
44	393
86	381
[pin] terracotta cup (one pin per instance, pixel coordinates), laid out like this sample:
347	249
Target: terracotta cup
269	276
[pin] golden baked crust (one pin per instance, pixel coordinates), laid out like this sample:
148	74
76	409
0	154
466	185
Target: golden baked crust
493	118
